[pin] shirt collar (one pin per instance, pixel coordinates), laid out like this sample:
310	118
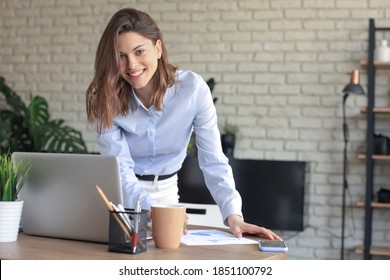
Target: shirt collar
138	103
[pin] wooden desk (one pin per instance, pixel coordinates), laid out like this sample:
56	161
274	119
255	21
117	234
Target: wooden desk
44	248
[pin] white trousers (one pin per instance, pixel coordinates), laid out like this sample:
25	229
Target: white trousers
164	191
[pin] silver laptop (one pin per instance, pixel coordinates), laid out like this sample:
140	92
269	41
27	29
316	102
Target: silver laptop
60	196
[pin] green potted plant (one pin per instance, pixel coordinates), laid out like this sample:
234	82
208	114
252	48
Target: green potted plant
12	179
30	129
228	138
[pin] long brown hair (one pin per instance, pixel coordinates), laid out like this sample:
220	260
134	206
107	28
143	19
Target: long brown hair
108	95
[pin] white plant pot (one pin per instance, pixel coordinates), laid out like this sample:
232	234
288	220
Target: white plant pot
10	214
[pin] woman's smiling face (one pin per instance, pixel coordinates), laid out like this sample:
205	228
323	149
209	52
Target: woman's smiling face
138	59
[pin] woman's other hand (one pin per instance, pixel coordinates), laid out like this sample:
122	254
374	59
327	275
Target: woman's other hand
237	226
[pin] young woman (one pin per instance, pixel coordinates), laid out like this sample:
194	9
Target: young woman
144	111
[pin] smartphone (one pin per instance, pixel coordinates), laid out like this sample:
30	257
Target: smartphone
273	246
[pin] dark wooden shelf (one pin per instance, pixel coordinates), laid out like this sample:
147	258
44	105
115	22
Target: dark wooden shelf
378	251
372	66
377	110
373	204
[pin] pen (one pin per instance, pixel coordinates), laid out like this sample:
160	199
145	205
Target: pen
126	217
123	216
137	209
103	196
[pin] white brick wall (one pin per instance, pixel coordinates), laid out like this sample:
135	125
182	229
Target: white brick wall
280	67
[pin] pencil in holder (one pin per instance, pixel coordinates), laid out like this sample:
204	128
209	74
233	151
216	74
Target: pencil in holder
127	232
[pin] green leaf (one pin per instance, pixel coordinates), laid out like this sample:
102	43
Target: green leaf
56	136
22	170
12	99
12	178
7	195
38	112
37	116
30	128
4	130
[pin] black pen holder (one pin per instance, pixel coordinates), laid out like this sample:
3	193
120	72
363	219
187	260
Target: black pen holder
128	231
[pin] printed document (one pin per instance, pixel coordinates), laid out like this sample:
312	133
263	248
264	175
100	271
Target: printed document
212	237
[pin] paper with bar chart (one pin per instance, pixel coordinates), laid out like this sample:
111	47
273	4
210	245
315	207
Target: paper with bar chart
212	237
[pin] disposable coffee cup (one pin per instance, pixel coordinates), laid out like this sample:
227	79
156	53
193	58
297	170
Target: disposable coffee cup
167	225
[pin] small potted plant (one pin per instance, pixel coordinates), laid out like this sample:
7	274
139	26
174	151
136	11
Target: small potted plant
12	179
228	138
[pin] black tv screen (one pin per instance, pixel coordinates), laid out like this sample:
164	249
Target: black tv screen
272	191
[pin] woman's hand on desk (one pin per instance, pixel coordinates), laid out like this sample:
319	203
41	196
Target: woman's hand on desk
237	227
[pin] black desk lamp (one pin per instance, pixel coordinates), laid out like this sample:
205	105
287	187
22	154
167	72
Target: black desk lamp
352	88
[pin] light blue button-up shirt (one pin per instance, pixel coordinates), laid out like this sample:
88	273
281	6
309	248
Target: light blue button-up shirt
151	142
